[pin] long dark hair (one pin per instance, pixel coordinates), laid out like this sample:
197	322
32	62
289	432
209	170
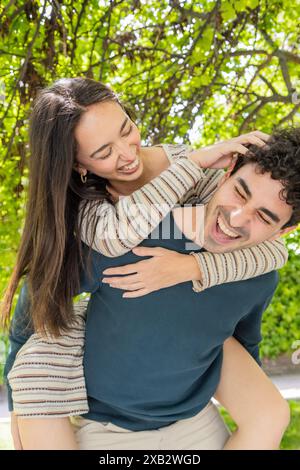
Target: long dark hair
50	252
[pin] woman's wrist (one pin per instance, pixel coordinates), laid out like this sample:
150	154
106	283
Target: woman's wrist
195	157
191	269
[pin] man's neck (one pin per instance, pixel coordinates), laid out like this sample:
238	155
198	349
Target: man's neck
190	221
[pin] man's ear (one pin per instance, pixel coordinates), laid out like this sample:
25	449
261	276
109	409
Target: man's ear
283	231
228	172
232	164
224	178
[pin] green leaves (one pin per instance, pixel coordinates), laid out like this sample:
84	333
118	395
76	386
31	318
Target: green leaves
281	322
228	11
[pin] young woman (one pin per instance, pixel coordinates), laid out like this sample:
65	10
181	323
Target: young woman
85	148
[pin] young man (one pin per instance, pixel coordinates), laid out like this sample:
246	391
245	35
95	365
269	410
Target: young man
153	362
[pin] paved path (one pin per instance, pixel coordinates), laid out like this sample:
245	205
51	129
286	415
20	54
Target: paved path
289	385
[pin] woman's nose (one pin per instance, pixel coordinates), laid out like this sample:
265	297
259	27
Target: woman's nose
126	153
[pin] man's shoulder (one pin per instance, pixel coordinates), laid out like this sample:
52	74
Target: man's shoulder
249	292
262	286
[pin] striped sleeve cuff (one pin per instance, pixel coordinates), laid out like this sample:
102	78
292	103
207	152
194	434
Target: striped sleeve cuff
219	268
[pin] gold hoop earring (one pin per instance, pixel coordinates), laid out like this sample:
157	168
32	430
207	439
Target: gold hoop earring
83	178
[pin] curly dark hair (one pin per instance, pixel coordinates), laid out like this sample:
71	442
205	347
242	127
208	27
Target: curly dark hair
281	158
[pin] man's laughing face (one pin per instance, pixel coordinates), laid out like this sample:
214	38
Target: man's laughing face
247	209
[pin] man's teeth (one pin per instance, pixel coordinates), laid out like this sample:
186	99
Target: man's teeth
131	166
225	229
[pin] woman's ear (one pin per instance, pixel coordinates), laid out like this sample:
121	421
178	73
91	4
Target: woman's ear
80	169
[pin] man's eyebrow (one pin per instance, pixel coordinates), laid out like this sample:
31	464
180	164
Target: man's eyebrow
272	216
244	186
106	145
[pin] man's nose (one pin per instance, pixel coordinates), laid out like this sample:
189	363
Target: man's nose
239	217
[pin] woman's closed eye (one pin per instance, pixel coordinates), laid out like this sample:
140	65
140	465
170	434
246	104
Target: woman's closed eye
106	155
127	132
110	149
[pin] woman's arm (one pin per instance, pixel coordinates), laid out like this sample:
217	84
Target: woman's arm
239	265
204	269
122	226
252	401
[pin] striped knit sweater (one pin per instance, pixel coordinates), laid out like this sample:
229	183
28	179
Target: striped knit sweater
47	378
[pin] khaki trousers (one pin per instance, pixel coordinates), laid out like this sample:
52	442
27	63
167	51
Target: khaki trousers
204	431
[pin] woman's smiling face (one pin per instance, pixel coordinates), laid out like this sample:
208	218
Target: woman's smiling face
108	143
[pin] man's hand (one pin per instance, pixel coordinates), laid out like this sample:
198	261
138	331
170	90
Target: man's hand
222	154
14	429
166	268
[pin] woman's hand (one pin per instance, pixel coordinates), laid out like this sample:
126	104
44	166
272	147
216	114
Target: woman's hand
222	154
165	268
